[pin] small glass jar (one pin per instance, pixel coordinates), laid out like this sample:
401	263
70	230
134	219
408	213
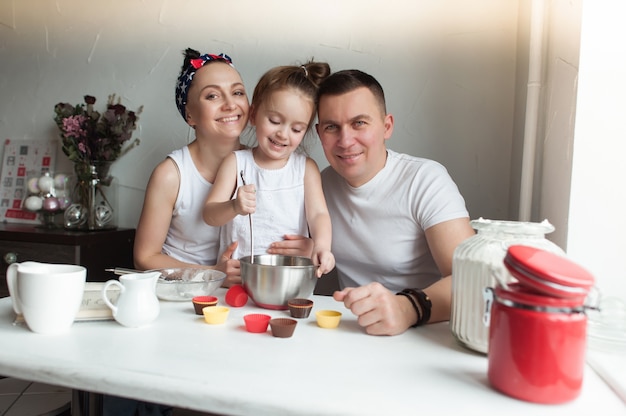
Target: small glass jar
477	263
538	327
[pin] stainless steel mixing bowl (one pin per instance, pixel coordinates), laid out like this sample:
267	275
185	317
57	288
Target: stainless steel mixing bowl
271	280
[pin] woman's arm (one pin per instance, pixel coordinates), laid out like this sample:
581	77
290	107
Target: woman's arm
156	215
154	223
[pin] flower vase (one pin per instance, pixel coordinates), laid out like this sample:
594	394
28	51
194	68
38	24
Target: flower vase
94	197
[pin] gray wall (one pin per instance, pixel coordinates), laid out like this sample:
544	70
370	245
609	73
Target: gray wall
448	68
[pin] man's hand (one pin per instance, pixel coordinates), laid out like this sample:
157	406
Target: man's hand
379	311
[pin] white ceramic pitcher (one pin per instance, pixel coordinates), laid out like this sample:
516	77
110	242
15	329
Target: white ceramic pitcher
137	304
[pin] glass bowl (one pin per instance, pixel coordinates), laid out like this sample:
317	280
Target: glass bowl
183	284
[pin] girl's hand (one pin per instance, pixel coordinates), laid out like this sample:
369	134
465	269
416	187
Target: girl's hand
326	261
245	202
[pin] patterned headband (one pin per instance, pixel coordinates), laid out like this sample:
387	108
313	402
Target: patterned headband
185	77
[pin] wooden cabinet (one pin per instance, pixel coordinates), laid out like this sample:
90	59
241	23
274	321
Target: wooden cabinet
96	250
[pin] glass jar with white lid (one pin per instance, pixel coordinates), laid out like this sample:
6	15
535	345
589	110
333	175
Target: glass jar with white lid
478	262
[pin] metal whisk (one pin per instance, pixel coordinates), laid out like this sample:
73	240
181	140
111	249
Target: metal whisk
250	217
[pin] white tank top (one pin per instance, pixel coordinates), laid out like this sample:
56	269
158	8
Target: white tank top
280	204
189	238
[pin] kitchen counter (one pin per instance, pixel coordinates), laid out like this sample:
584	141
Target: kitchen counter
182	361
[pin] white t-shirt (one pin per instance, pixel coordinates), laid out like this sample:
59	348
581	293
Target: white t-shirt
280	205
378	228
189	238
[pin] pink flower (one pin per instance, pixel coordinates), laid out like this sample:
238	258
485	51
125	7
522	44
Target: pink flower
73	126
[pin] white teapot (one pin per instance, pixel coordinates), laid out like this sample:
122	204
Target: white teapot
137	304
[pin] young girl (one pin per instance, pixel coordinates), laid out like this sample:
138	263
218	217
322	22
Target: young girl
212	99
282	187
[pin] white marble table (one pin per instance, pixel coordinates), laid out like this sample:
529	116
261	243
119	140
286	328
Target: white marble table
182	361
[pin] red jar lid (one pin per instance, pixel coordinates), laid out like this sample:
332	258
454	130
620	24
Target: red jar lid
547	273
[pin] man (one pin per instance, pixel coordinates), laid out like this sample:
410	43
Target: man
397	219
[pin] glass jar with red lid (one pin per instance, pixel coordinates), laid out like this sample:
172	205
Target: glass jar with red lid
538	327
